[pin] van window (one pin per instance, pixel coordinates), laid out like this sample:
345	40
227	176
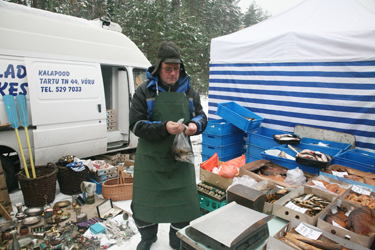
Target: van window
139	77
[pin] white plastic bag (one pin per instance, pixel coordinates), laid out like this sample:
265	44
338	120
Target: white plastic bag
295	177
244	180
181	149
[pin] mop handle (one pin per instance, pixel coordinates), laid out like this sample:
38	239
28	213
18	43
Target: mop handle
22	155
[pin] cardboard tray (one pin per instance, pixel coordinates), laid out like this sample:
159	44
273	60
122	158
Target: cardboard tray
345	196
365	241
276	244
268	207
343	179
310	183
286	213
248	169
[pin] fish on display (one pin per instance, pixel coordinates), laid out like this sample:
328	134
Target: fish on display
299	241
314	155
360	220
313	203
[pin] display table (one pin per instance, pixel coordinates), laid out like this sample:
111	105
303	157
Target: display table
274	225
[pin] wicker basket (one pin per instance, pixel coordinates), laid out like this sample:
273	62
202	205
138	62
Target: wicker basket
70	180
118	189
40	190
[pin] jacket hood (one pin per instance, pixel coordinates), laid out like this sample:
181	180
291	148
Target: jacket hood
183	82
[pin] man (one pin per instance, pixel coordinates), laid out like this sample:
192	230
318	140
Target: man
164	190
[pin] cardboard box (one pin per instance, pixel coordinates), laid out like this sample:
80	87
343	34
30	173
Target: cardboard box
111	156
106	171
365	241
279	245
109	161
310	183
103	177
266	184
111	112
280	210
253	166
343	179
214	179
371	195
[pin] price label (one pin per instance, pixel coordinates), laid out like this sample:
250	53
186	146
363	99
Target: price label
339	174
308	232
361	190
295	207
319	184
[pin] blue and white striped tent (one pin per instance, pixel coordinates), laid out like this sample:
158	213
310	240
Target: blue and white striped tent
312	65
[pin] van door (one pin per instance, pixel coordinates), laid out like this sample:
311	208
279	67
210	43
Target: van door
67	107
116	88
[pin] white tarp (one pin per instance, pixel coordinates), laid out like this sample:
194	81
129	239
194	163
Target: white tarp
312	65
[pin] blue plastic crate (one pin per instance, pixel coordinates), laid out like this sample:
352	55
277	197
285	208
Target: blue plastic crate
98	185
210	204
221	127
291	164
251	158
224	151
224	140
238	116
357	159
331	144
263	137
254	150
223	159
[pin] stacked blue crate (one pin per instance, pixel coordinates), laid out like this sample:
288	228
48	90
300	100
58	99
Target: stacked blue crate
245	120
356	158
259	140
223	138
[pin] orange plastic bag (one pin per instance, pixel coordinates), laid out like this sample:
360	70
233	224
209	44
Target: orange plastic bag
229	169
211	163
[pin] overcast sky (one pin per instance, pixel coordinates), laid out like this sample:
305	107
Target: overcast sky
275	7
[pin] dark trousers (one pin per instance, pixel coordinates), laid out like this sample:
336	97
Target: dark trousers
149	230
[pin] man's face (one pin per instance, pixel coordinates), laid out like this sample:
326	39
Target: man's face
169	72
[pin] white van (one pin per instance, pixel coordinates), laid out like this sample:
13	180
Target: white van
78	76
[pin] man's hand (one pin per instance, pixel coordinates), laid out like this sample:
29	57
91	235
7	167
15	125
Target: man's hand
175	128
191	129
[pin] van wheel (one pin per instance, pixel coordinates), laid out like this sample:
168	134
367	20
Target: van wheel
8	171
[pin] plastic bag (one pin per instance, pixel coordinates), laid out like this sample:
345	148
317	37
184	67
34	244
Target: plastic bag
181	149
243	180
210	163
295	177
230	168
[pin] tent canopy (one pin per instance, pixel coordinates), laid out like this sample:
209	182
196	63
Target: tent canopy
312	65
312	30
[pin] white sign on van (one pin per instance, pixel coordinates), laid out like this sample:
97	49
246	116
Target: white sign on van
65	81
54	80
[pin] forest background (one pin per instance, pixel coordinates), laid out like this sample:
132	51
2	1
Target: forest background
191	24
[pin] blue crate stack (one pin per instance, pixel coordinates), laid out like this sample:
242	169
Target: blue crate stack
356	158
259	140
223	138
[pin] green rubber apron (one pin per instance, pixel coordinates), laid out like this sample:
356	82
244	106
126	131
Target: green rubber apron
164	190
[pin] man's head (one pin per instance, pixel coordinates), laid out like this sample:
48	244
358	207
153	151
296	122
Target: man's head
168	58
169	72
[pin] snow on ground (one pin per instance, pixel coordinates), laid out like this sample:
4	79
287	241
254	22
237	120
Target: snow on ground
162	243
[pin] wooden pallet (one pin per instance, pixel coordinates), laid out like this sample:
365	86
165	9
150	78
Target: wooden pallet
6	205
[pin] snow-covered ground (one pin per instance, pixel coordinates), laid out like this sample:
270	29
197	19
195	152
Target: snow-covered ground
163	233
